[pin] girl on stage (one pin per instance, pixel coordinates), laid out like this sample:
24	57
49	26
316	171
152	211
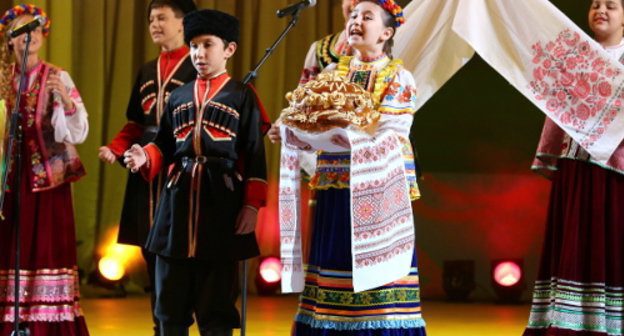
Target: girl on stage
580	281
345	293
53	120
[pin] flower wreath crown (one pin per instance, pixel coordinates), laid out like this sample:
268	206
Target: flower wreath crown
18	10
390	6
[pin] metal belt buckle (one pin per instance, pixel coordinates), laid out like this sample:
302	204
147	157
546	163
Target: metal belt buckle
201	159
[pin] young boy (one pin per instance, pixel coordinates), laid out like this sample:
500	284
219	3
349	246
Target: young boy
156	80
210	133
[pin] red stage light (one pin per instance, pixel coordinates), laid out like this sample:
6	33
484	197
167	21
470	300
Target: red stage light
268	275
507	273
271	270
508	280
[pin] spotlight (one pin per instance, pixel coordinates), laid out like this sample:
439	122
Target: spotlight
508	280
458	279
109	277
268	275
111	268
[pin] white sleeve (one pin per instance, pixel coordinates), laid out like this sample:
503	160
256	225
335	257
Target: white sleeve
397	106
70	126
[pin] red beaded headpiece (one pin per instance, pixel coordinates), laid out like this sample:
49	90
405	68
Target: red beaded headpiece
390	6
18	10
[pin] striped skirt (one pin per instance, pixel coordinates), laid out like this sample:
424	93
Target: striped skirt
580	286
328	306
50	297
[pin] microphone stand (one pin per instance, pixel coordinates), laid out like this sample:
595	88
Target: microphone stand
253	74
15	146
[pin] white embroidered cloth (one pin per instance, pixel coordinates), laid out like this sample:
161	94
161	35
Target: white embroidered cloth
382	237
535	47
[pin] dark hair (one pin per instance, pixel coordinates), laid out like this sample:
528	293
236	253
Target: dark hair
389	22
177	11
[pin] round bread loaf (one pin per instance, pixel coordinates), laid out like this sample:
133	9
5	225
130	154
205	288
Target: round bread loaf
328	102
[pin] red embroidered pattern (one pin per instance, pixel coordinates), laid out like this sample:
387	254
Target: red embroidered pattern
381	210
289	230
574	81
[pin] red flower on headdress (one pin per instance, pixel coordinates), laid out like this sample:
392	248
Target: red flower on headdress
391	7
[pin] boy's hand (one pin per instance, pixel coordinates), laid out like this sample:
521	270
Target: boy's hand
106	155
246	221
134	158
274	132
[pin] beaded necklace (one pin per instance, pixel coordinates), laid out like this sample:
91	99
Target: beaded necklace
382	80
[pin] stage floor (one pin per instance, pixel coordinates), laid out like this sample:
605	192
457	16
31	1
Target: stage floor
272	316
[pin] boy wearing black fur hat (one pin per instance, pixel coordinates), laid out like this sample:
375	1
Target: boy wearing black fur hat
157	78
211	133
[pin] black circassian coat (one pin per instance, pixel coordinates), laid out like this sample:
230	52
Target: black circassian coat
217	168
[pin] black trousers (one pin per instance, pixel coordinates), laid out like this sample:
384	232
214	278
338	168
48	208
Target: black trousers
150	260
206	289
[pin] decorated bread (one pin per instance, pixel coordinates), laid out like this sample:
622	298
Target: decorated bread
330	101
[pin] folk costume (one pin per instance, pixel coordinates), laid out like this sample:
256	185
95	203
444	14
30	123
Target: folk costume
49	291
323	53
155	82
150	92
211	133
580	281
361	277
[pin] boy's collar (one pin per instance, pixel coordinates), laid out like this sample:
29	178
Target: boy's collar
224	73
183	50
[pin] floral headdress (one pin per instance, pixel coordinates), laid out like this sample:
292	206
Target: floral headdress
390	6
18	10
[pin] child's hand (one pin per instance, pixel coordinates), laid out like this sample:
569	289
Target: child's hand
341	141
274	132
246	221
106	155
134	158
56	86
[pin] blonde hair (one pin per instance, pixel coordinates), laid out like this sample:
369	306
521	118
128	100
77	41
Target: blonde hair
6	70
7	60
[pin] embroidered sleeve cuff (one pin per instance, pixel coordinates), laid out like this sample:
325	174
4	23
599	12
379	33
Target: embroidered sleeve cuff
255	193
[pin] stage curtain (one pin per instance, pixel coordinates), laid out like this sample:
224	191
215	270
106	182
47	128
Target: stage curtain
103	43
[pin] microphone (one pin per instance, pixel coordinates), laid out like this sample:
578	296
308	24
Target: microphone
295	7
28	26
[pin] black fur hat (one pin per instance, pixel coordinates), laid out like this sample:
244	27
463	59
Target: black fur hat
212	22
